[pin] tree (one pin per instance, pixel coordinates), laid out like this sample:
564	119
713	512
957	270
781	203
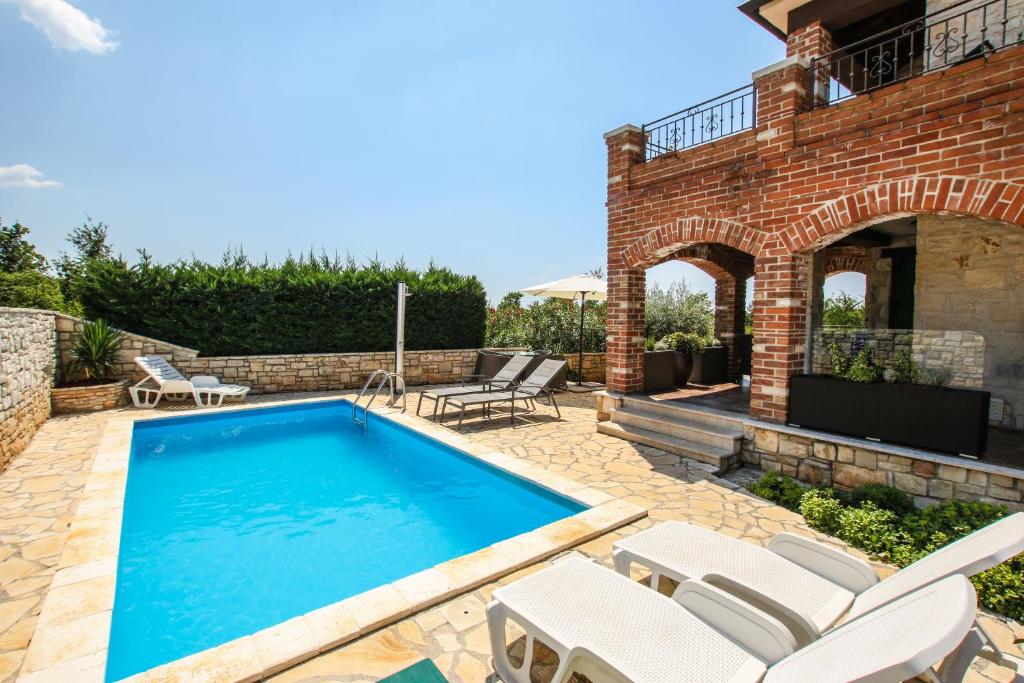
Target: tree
89	241
16	253
843	310
678	309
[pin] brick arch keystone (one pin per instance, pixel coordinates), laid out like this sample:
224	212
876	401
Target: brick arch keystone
661	242
986	199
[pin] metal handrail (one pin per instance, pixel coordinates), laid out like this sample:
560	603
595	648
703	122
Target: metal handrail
390	378
718	117
914	48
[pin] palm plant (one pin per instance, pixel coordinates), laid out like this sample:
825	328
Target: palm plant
95	351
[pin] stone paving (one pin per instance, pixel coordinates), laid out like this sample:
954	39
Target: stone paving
40	489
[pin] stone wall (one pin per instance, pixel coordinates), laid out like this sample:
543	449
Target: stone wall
957	356
817	458
970	276
593	366
26	375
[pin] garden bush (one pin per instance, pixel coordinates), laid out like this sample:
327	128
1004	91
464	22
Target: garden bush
549	324
870	518
305	305
32	289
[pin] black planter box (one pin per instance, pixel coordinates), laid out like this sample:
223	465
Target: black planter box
659	370
932	418
709	367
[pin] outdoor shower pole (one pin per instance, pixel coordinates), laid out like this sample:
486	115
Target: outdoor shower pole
579	370
403	292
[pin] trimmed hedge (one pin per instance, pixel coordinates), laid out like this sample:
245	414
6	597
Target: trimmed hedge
301	306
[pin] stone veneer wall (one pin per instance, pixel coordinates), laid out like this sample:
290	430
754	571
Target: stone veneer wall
593	365
958	356
26	375
817	458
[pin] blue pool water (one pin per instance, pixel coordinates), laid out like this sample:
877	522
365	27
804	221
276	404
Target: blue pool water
237	521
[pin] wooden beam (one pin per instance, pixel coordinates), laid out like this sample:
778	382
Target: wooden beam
838	14
864	238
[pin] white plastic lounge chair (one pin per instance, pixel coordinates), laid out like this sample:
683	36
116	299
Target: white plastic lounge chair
803	583
537	384
505	378
610	628
164	381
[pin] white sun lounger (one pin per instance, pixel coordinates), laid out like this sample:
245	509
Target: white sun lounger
610	628
503	379
164	381
806	584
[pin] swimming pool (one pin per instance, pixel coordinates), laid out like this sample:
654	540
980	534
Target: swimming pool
237	521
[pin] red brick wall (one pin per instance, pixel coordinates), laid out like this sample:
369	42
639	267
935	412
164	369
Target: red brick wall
947	142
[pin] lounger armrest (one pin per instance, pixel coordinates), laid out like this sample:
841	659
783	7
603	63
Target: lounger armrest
176	386
755	631
841	568
475	379
204	381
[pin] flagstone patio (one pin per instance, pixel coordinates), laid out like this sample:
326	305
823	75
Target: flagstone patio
41	487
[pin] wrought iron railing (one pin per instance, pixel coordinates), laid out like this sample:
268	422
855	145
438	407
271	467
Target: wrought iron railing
721	116
957	33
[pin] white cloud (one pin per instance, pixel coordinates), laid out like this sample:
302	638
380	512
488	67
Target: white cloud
23	175
67	27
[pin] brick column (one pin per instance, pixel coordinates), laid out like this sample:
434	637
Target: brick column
780	323
626	287
781	95
730	311
809	42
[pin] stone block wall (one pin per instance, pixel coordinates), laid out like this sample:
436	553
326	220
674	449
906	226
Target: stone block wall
27	363
593	365
958	356
846	463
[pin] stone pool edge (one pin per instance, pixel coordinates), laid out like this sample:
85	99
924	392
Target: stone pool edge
72	634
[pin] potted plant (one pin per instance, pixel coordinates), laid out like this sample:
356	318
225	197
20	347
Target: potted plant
903	404
92	365
686	345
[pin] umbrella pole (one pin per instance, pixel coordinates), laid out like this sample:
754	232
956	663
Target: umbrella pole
579	372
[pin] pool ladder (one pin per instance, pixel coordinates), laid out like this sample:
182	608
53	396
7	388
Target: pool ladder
392	379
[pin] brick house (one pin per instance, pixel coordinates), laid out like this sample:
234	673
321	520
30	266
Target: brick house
889	142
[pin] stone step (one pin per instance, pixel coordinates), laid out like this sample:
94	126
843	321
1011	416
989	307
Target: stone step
726	438
675	410
716	457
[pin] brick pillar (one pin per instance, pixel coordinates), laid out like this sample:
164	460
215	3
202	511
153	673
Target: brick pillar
626	286
809	42
781	95
730	311
780	324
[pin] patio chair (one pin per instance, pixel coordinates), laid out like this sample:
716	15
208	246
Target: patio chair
538	383
505	378
806	584
609	628
164	381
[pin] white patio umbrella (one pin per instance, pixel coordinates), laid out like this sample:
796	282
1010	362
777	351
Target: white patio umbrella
586	287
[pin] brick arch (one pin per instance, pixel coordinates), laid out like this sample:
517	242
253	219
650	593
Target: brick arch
660	243
986	199
845	260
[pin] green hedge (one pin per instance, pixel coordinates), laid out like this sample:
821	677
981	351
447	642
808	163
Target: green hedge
32	289
882	521
304	306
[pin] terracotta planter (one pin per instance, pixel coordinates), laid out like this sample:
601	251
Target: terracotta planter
86	399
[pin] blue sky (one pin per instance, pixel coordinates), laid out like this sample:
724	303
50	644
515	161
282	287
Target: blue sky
466	132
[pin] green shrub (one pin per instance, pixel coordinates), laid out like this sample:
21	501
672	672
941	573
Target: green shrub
1002	588
779	489
549	324
822	510
840	360
32	289
952	519
872	529
687	342
95	351
301	306
905	369
885	497
864	369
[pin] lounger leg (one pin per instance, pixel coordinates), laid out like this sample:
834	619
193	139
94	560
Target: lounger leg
420	403
144	397
496	618
551	397
462	415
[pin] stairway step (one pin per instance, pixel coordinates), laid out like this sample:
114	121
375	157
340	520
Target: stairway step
675	409
727	438
716	457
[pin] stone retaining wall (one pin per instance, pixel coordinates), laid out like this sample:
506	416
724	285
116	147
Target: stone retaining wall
88	398
593	365
846	463
27	365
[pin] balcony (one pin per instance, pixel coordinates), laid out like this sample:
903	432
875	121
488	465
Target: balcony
719	117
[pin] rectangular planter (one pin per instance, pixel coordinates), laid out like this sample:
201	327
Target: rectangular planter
659	370
709	367
932	418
